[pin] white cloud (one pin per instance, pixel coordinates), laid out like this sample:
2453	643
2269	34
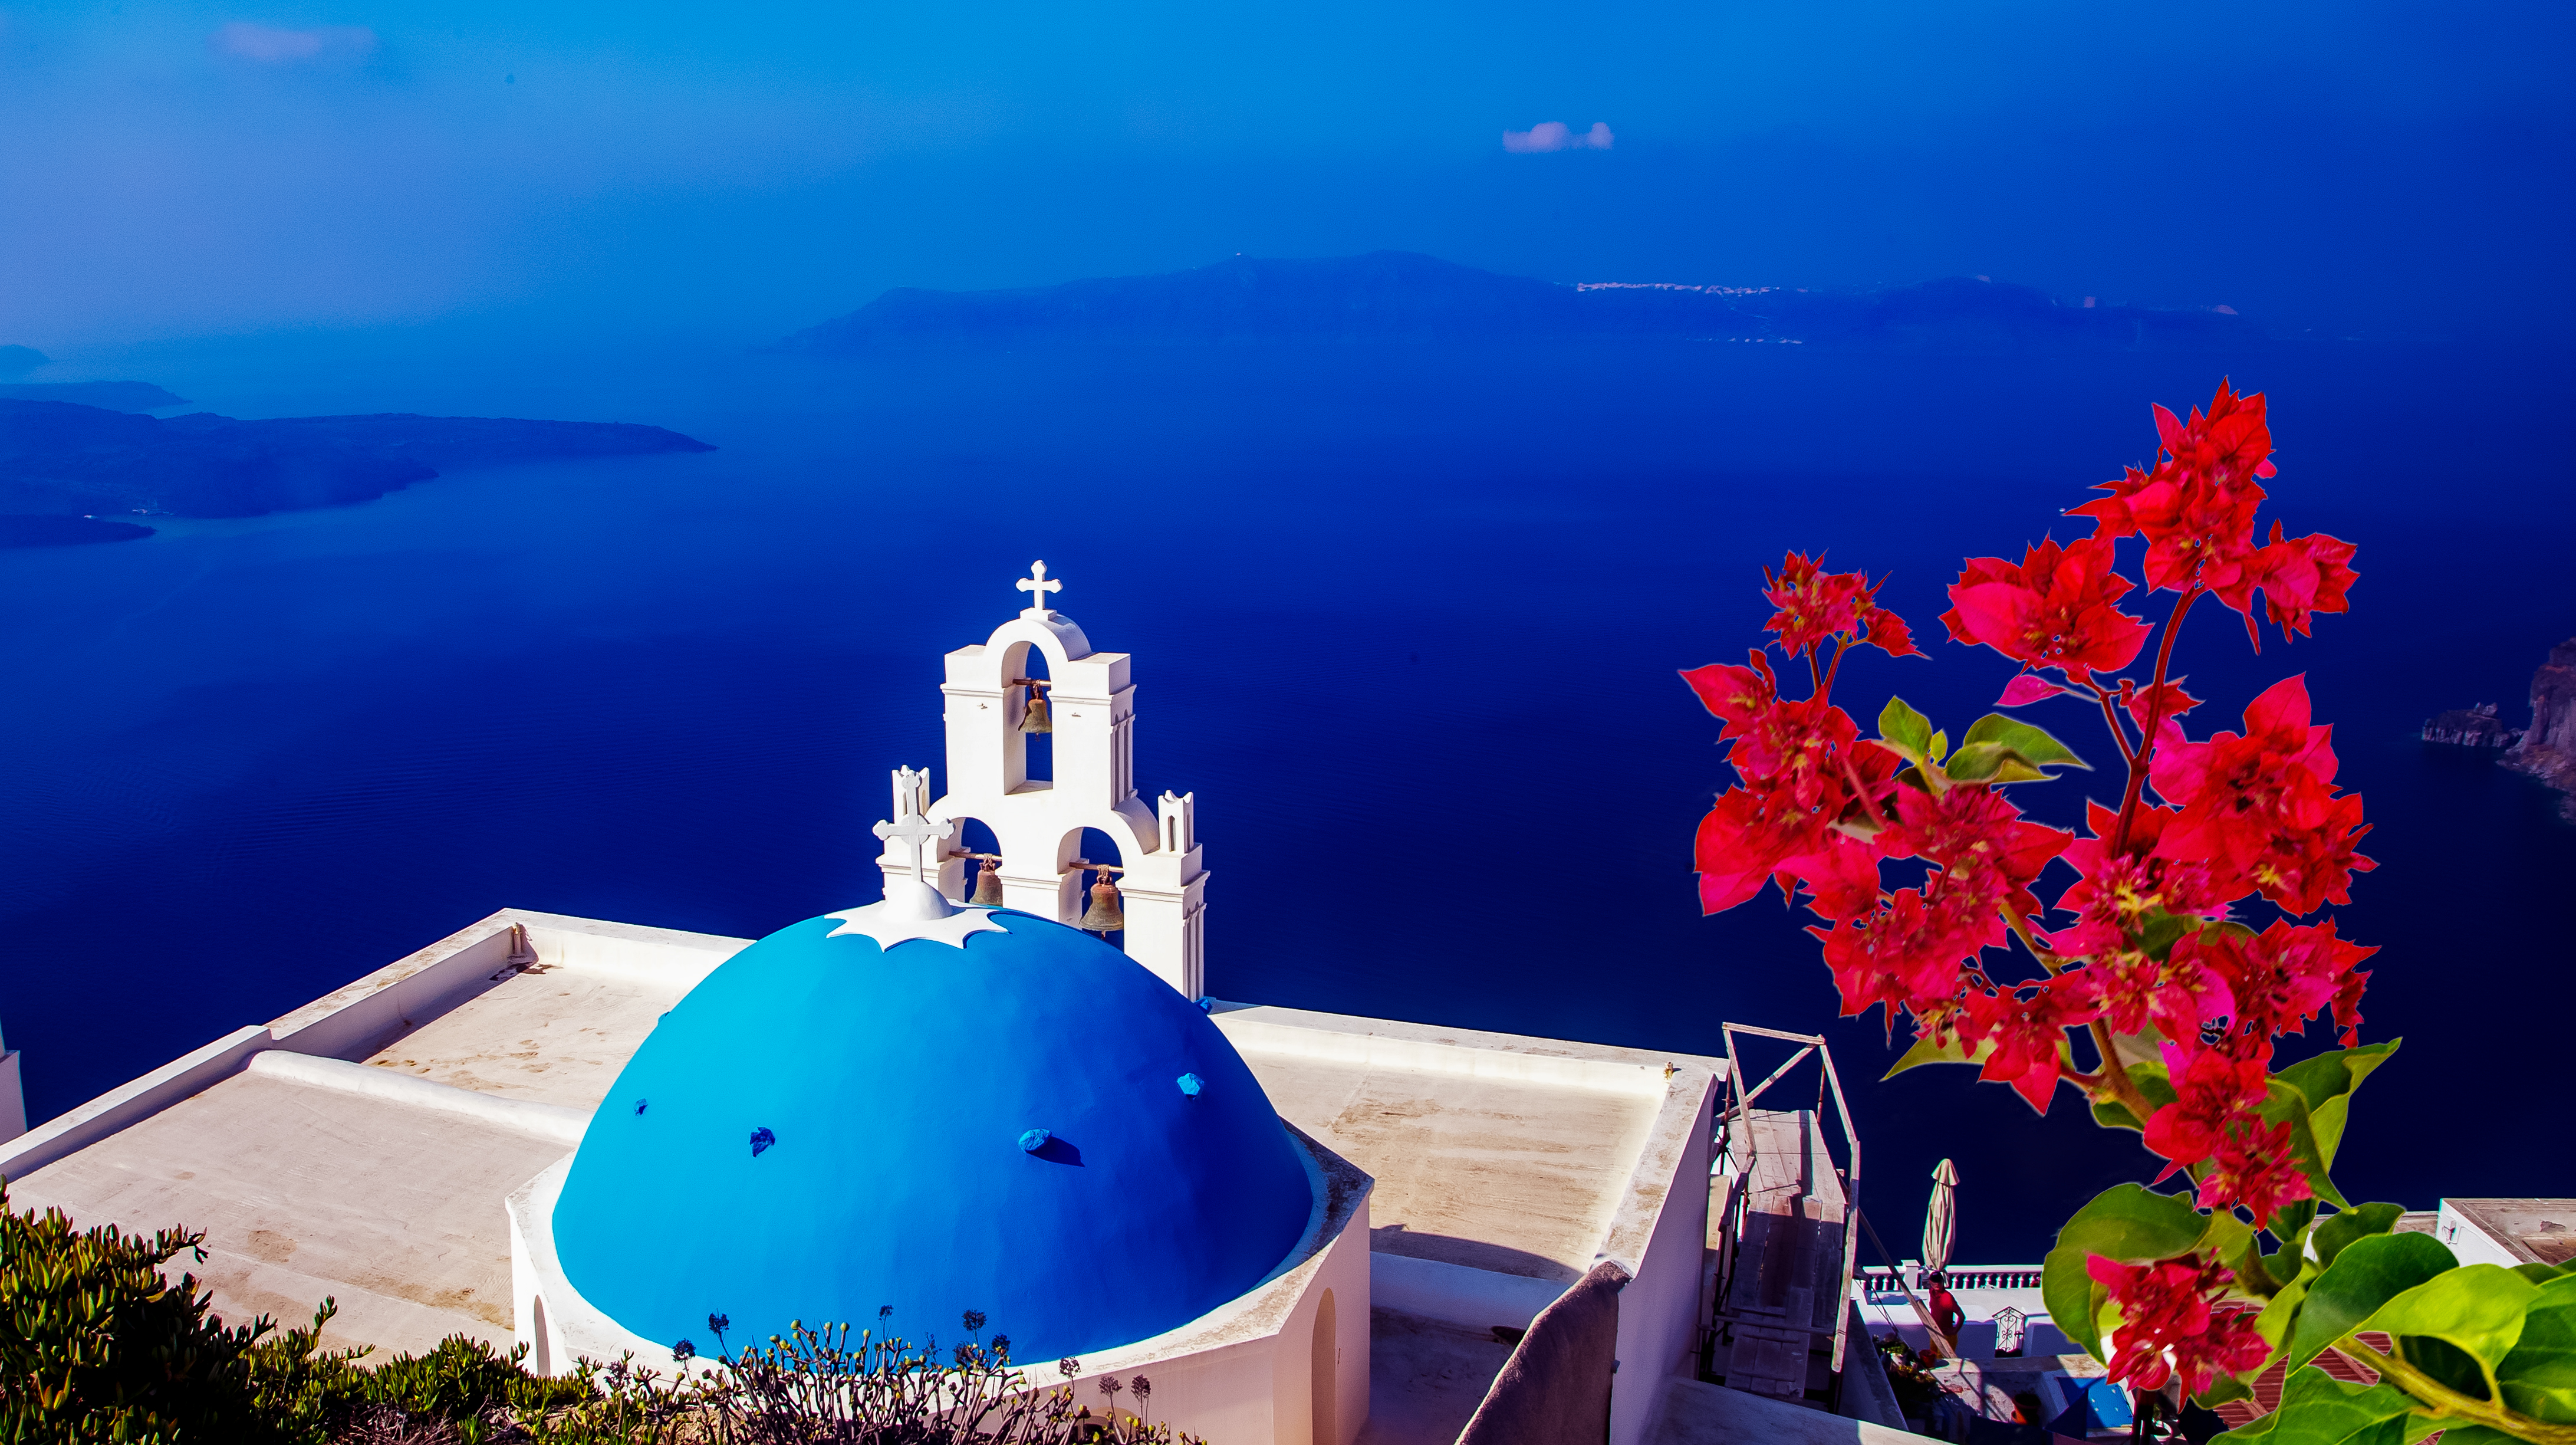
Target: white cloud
1556	135
272	46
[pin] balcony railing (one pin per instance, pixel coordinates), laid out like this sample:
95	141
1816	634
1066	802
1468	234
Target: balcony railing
1881	1280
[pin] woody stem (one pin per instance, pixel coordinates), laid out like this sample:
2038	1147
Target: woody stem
2448	1403
2120	735
2155	717
2115	1075
1841	646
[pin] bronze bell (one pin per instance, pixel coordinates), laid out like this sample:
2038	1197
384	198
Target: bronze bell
988	886
1033	718
1104	916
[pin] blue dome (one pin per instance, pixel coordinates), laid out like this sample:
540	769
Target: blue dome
824	1127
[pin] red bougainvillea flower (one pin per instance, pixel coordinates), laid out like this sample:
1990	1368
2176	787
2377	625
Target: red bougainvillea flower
2196	507
1802	773
2027	688
2260	808
2282	978
2114	894
2303	575
1815	606
2163	702
2027	1026
1918	950
2056	609
2167	1327
2216	1120
2215	1092
1980	841
2253	1166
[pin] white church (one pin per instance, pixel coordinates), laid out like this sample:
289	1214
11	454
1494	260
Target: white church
599	1139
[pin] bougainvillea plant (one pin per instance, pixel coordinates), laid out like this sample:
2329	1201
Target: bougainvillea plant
2193	936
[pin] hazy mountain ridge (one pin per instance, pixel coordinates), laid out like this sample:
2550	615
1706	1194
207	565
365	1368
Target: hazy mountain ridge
111	395
64	459
1396	296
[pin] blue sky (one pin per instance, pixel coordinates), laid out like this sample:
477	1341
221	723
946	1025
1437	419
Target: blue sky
175	170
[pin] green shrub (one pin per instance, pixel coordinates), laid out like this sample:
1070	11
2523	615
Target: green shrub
95	1344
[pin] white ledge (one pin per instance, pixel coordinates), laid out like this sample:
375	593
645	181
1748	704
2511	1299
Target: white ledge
526	1116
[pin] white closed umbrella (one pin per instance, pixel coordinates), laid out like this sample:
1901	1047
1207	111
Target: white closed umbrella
1940	1225
1941	1219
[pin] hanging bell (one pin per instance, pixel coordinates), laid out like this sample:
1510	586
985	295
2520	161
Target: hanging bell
1105	916
988	886
1033	718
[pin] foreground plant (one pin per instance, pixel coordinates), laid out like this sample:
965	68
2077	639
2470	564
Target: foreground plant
98	1344
2147	985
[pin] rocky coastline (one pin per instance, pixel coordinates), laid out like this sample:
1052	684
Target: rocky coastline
2548	747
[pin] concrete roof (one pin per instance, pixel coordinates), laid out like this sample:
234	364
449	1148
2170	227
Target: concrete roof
1520	1158
1517	1173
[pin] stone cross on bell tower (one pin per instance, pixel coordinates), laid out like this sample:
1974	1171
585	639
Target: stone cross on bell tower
1038	822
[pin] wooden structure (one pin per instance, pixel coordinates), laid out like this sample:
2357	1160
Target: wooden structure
1781	1238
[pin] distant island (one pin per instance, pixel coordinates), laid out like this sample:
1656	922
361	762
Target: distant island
1397	296
61	460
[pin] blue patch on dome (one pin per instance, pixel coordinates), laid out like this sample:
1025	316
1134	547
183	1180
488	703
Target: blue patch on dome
1191	1084
898	1072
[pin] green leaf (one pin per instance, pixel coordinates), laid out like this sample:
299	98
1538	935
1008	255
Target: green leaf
2476	1309
2367	1274
2284	1104
2254	1268
1992	763
2112	1114
2223	1388
2127	1223
2328	1081
1940	746
2032	743
2292	1218
1929	1050
1905	730
2543	1273
2539	1377
2280	1318
2352	1226
2318	1409
2161	931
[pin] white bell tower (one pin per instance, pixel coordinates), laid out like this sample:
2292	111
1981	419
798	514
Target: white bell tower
1037	824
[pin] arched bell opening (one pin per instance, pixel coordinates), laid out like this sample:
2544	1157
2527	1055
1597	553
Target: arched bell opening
1028	717
1095	902
973	871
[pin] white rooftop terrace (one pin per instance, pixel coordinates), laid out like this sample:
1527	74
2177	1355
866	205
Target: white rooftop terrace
362	1148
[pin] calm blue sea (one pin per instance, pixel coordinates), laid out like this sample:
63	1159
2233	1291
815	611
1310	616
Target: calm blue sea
1406	620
